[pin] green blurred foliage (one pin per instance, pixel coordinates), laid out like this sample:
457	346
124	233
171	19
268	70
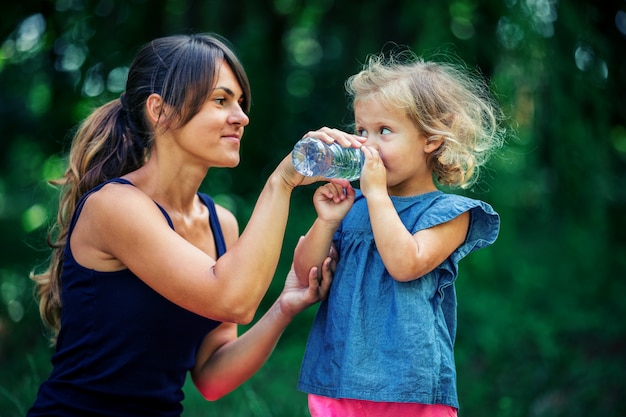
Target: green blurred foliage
541	330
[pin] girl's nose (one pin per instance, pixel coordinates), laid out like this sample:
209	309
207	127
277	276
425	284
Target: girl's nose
371	141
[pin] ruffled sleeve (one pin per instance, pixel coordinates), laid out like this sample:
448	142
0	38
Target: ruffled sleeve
483	228
484	221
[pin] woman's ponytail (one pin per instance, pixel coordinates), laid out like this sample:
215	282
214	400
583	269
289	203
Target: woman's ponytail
106	145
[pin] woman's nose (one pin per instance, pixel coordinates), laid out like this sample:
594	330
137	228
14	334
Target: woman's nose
238	116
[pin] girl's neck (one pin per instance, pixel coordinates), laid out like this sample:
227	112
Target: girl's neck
410	189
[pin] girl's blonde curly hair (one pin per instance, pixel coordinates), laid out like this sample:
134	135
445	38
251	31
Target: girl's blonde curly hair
445	101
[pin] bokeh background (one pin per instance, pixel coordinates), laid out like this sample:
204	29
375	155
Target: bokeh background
541	313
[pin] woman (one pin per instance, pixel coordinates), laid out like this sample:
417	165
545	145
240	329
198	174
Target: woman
140	288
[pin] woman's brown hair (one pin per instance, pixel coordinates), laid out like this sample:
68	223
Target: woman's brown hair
115	138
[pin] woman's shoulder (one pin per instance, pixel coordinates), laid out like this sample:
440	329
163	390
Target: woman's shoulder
121	203
227	219
117	194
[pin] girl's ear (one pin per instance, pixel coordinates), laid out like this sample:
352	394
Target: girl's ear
433	143
154	108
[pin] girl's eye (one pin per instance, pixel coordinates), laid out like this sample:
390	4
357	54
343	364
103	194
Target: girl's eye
361	132
385	131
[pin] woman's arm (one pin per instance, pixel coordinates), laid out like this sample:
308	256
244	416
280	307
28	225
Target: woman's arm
225	361
124	224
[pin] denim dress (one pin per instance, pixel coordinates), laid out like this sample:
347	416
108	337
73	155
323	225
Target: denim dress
378	339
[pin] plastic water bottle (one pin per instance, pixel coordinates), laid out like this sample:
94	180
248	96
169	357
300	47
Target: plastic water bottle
312	157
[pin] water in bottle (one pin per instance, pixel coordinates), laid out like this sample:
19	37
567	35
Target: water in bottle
312	157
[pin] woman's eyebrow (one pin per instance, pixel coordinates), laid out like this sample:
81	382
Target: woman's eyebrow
226	90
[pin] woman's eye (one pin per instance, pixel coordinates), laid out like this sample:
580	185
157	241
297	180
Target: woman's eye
385	131
220	100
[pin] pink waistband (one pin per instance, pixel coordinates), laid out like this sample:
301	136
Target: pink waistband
345	407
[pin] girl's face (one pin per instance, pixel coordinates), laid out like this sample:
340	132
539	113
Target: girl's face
214	134
402	147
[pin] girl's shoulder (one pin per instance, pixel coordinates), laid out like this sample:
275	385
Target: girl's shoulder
484	224
438	207
458	204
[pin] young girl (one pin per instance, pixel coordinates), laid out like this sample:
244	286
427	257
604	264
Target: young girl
382	344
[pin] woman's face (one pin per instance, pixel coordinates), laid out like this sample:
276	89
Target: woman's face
214	134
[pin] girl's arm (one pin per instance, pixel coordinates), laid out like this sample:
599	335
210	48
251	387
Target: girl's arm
225	361
406	256
332	202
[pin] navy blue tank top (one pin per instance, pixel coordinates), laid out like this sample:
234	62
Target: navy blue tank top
123	349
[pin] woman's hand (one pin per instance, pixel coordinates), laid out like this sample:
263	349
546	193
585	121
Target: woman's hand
297	297
329	135
324	134
225	361
291	177
289	174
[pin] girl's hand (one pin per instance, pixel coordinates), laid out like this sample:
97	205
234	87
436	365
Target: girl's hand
333	200
296	297
374	174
